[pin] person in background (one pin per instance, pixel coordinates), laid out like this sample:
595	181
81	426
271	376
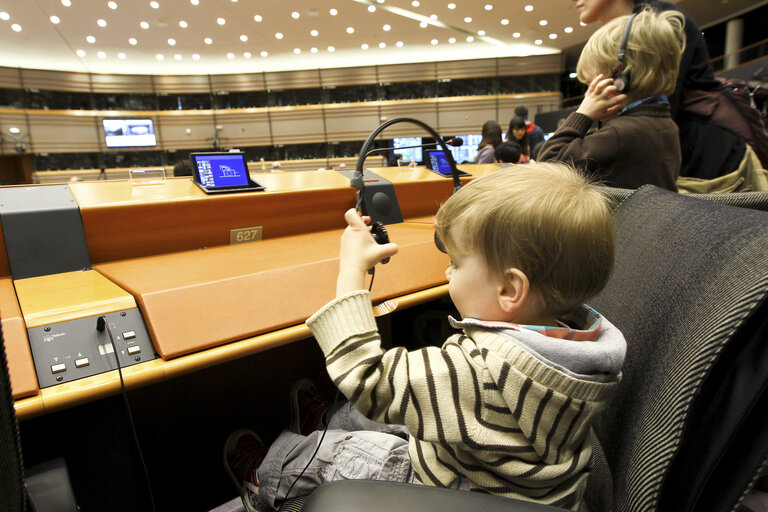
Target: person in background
519	133
708	150
491	139
394	160
535	133
508	153
638	142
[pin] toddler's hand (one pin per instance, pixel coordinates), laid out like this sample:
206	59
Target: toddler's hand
359	252
602	100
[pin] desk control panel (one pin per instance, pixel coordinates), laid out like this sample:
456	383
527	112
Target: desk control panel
75	349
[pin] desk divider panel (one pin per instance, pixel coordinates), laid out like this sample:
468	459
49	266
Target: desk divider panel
197	300
17	352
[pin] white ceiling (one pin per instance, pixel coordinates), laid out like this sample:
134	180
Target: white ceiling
237	44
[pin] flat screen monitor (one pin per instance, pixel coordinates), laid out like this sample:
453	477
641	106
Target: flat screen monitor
409	154
129	133
439	163
222	172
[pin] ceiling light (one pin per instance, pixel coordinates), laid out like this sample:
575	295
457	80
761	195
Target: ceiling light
314	33
452	40
90	39
159	56
433	42
221	21
101	55
195	56
16	27
350	30
553	36
122	56
333	12
14	130
488	7
144	25
516	35
433	17
538	41
113	6
467	20
568	30
4	16
572	75
451	6
80	53
371	8
364	46
528	8
247	55
386	28
230	55
183	24
543	23
470	39
423	24
331	49
505	21
257	18
172	42
194	2
264	54
382	45
154	4
243	38
296	51
313	50
132	41
208	40
582	24
295	15
101	23
55	20
399	44
415	3
278	35
66	3
481	32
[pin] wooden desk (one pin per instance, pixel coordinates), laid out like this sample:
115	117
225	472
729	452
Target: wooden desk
204	301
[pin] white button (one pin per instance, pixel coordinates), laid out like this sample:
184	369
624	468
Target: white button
79	363
58	368
129	335
134	349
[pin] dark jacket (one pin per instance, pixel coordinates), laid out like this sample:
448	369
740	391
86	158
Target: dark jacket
638	147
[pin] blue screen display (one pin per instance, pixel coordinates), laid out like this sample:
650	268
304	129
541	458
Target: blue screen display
440	162
217	171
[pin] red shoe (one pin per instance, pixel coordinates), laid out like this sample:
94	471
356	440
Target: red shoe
307	408
243	453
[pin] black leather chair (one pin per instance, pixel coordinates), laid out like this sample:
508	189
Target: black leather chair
687	430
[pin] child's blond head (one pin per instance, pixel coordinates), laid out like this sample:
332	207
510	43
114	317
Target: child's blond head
545	219
652	59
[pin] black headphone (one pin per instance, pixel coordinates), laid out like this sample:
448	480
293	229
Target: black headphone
620	78
378	231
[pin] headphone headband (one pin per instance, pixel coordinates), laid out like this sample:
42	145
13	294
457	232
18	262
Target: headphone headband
621	79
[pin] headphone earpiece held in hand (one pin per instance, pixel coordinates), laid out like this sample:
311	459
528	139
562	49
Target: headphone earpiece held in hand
620	77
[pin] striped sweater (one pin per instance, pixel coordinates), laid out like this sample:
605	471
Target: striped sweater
480	409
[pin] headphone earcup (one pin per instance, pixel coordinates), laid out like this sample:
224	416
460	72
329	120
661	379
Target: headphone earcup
621	82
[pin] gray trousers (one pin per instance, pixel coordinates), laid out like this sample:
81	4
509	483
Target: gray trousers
354	447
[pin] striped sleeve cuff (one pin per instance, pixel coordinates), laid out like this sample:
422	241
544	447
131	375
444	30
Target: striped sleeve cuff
341	319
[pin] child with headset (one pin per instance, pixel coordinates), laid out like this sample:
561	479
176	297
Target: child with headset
506	405
630	64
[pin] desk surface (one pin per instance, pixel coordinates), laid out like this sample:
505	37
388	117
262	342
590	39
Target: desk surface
204	301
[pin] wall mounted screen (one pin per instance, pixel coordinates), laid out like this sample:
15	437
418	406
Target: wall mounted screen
129	133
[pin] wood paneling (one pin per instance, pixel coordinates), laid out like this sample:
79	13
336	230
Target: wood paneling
133	84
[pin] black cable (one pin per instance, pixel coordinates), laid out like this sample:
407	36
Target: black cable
373	274
130	416
320	442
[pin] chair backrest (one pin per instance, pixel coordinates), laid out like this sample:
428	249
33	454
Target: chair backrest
12	493
689	276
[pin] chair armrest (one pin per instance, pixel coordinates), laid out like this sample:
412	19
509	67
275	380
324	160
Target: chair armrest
372	496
